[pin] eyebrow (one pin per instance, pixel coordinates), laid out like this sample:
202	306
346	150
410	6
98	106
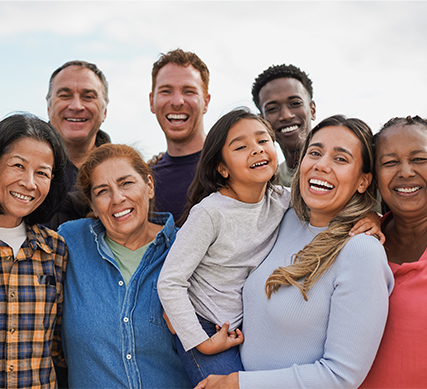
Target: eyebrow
337	148
289	98
239	138
118	180
411	153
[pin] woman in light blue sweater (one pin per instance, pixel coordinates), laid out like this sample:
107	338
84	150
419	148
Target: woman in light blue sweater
315	309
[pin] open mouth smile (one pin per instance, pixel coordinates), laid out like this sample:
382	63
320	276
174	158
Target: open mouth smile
123	213
259	164
75	120
21	196
177	118
286	130
407	190
320	186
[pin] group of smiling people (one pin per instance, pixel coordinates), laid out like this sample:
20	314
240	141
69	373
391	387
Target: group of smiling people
324	308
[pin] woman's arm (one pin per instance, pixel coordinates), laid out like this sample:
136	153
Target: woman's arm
357	316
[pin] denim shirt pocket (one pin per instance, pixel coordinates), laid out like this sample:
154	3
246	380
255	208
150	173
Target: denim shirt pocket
156	308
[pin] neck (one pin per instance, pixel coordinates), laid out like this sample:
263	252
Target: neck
407	229
180	149
137	239
291	157
245	194
10	222
77	152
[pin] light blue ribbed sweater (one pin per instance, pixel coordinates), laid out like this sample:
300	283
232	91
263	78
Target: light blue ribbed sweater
328	341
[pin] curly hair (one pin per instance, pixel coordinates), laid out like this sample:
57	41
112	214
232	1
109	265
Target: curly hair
181	58
280	71
316	257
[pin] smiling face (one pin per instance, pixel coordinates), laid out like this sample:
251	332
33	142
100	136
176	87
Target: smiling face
287	105
331	173
249	156
120	198
76	105
401	167
179	102
25	177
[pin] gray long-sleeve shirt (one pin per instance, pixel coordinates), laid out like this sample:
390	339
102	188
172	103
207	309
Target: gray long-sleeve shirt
221	242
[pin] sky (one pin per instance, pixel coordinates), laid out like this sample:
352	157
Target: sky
367	59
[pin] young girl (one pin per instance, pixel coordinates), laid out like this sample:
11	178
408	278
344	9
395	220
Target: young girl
233	219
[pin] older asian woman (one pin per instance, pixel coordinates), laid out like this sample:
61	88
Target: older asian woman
401	167
33	258
310	318
114	332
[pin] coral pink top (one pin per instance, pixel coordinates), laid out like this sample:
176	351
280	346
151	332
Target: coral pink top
401	361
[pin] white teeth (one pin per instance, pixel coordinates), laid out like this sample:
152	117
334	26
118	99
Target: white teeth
260	164
408	190
22	197
285	130
120	214
320	185
75	120
177	117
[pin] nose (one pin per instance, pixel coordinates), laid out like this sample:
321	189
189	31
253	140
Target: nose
258	149
76	103
177	100
286	113
323	165
406	170
118	196
28	181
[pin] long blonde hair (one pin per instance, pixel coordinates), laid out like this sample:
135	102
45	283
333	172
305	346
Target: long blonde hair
316	257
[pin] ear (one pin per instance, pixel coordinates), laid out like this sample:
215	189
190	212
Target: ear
152	103
105	114
222	169
207	100
365	181
150	185
313	110
93	209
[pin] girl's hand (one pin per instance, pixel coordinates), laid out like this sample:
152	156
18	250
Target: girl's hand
221	341
168	322
370	225
230	381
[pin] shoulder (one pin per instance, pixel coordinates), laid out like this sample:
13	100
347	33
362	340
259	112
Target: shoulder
75	227
50	238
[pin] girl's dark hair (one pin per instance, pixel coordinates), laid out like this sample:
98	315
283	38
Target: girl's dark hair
25	125
207	179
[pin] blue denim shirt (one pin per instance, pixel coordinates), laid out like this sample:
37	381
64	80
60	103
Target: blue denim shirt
114	334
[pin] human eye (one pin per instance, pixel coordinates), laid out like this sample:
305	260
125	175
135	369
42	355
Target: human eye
295	104
264	141
419	160
313	152
341	159
44	174
390	163
100	192
127	183
164	91
89	97
271	109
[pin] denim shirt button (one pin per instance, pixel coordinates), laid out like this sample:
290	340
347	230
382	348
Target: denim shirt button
121	283
128	356
126	319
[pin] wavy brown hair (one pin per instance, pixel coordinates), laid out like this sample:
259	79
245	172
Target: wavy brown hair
315	258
